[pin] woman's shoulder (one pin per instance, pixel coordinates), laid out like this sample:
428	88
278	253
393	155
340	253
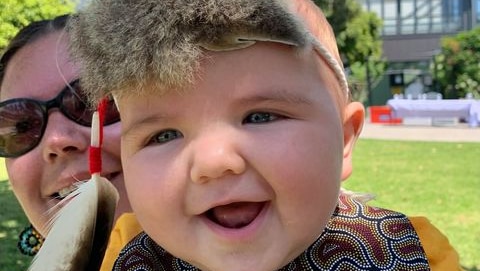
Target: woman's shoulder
440	253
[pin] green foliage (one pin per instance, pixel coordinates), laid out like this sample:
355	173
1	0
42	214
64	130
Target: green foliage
457	67
363	48
15	14
358	38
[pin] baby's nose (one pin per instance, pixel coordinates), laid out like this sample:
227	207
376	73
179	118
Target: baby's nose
214	156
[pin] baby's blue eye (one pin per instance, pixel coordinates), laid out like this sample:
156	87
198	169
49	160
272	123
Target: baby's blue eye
165	136
260	117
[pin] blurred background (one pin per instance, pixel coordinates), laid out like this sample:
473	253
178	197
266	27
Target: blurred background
419	58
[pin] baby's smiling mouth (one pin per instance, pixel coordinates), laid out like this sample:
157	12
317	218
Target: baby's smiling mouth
235	215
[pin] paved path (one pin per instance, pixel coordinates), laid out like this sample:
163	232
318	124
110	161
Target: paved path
457	133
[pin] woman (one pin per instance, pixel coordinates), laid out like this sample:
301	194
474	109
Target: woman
44	130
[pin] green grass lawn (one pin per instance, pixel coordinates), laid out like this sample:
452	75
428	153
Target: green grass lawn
437	180
12	221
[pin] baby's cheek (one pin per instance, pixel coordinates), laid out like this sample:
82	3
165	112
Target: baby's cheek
135	182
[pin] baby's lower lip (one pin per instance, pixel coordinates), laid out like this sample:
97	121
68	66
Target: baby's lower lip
238	233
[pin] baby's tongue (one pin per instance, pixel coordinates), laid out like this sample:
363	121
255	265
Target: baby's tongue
236	215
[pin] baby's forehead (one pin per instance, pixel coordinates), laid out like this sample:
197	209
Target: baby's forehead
165	40
265	71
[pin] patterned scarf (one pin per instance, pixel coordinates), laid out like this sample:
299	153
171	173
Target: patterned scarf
357	237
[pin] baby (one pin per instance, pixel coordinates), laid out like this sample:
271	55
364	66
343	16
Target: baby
237	130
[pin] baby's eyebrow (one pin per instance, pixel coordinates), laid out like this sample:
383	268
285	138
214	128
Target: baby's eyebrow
277	95
145	121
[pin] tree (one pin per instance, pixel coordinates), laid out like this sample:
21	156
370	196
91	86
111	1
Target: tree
15	14
358	38
456	68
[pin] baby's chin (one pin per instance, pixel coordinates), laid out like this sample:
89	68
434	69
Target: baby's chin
256	261
272	254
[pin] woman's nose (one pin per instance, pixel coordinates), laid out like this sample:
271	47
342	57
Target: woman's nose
63	138
214	155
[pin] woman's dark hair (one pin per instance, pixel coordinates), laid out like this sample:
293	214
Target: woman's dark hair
29	34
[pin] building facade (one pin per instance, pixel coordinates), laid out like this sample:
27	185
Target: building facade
412	30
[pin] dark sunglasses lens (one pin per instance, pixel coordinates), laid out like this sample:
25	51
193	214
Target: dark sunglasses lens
21	127
75	107
111	113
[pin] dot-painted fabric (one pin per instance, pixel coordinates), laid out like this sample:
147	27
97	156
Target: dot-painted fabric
357	237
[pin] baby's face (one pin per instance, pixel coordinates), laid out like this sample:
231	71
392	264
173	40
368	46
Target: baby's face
241	171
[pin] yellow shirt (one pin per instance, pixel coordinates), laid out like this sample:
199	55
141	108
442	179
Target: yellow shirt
440	254
123	231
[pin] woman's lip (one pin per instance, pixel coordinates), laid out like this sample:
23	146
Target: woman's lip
64	191
112	176
246	232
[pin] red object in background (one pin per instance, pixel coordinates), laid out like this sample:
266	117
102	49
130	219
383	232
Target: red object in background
383	114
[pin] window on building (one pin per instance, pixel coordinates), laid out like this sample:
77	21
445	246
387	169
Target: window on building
476	8
403	17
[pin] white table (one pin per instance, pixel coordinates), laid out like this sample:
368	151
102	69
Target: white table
461	108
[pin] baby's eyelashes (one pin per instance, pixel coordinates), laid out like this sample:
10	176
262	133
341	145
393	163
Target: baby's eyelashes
165	136
261	117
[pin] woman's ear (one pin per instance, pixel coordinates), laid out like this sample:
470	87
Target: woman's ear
354	116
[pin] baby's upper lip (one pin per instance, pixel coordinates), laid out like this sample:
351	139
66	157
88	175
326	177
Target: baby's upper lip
229	201
225	193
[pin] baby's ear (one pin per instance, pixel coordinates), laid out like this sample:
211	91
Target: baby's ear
354	116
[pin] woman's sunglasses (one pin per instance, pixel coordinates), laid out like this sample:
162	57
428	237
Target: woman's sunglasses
23	121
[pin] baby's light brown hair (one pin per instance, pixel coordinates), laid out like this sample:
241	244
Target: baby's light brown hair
122	44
